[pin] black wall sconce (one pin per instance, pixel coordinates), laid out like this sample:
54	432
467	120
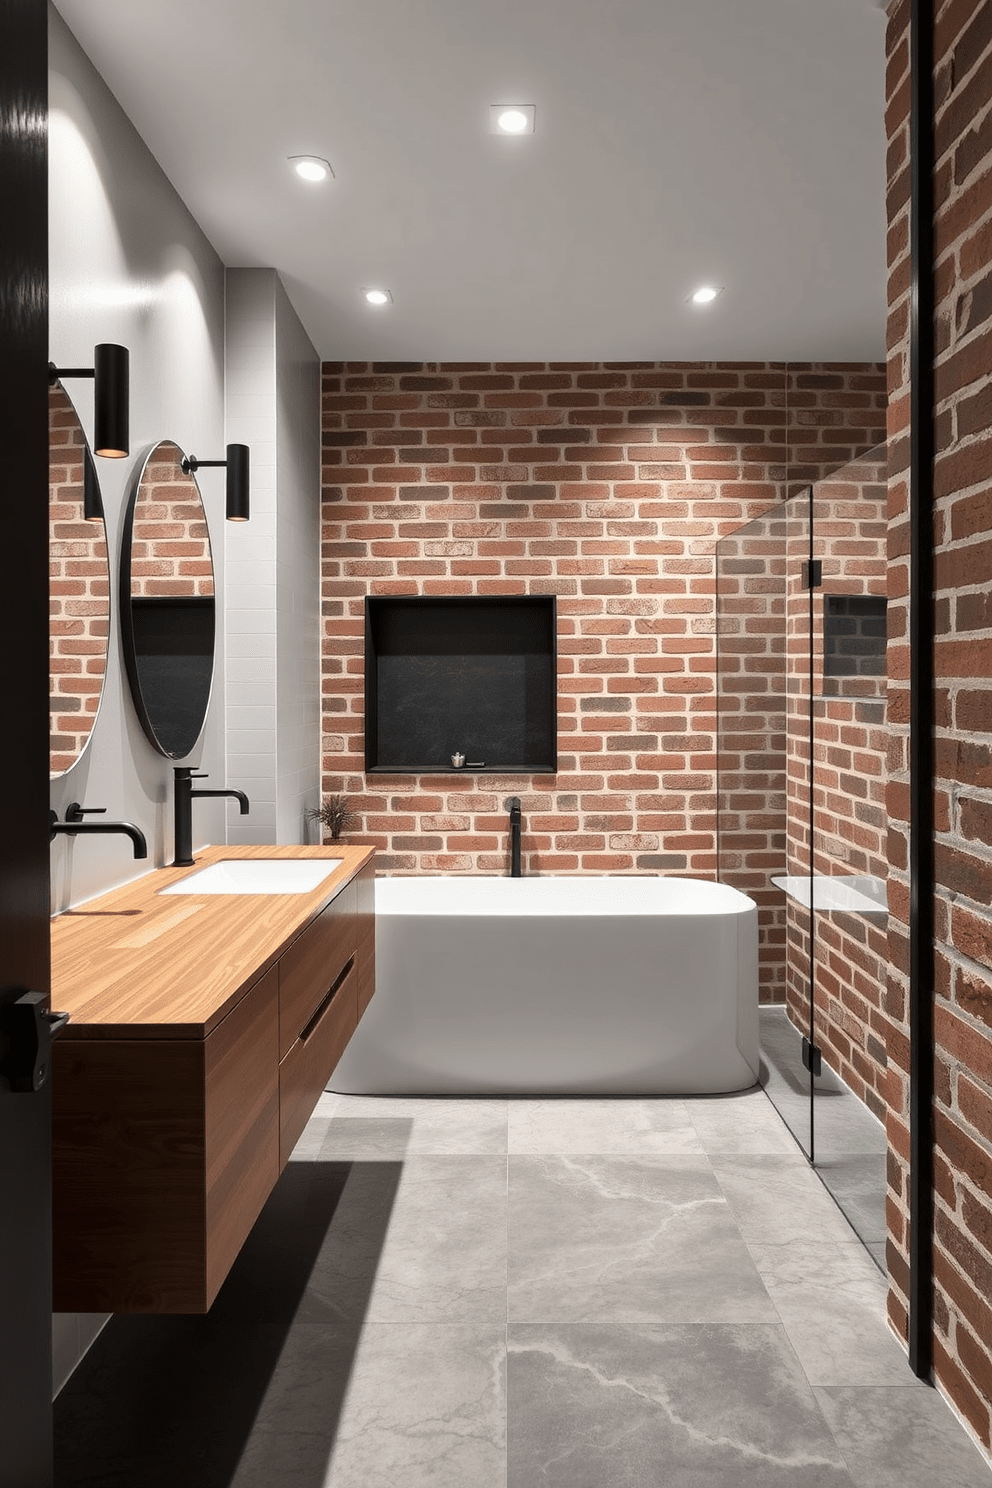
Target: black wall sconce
237	479
110	373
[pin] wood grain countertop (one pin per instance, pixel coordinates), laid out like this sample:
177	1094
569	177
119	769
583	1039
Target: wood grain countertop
137	964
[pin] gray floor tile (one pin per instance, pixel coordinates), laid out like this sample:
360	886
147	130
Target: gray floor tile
844	1127
832	1304
779	1198
876	1249
361	1336
857	1184
700	1406
362	1127
438	1255
895	1438
745	1123
602	1126
404	1404
625	1237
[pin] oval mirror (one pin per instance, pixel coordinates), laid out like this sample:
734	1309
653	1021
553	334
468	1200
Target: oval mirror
79	586
167	602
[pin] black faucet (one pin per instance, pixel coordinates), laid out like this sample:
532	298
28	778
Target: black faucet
74	824
514	805
185	795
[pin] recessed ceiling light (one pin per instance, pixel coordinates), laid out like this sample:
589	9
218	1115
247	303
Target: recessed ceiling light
311	167
377	296
512	118
705	294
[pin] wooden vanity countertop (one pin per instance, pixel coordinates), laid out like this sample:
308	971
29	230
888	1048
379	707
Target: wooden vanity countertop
136	964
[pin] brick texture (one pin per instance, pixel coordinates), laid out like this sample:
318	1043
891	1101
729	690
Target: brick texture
763	729
850	829
609	485
170	546
963	615
752	783
79	591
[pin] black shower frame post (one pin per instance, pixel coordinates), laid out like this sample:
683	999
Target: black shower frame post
811	583
922	680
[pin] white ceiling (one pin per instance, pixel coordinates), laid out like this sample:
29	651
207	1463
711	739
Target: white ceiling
677	142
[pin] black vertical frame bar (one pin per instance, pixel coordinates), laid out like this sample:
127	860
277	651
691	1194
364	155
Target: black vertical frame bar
922	676
810	585
371	691
25	1118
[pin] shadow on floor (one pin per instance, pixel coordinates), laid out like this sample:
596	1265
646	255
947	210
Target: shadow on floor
163	1401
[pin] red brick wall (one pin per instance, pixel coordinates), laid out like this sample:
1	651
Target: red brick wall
607	484
849	516
752	804
170	546
963	537
79	591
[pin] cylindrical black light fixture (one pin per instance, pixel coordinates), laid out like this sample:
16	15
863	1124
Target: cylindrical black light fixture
110	425
110	372
92	500
237	483
237	463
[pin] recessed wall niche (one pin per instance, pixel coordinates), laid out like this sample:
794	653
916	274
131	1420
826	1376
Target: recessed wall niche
462	676
854	640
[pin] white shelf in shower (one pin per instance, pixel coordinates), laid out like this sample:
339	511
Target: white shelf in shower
854	893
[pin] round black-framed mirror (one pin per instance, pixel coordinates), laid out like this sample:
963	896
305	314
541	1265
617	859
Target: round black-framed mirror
168	620
78	586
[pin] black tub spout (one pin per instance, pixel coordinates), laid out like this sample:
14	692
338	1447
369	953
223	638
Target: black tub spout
514	805
74	825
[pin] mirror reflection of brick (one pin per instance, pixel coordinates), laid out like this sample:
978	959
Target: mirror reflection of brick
170	550
79	591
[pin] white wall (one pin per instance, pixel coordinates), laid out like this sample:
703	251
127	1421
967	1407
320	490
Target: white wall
129	264
273	562
297	572
250	612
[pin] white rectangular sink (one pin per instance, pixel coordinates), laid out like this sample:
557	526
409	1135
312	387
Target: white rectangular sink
257	876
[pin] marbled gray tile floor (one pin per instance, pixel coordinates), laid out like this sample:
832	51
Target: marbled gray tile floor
526	1294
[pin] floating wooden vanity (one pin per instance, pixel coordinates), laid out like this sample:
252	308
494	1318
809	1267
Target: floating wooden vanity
203	1029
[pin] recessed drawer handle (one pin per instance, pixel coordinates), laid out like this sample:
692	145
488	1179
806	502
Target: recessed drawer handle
328	997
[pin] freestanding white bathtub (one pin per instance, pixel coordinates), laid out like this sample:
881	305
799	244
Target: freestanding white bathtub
558	986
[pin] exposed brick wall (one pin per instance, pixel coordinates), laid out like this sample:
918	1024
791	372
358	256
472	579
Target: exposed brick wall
963	537
170	546
763	719
607	484
79	591
752	802
850	745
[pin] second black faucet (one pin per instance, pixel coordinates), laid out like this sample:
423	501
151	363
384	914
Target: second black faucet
514	805
185	795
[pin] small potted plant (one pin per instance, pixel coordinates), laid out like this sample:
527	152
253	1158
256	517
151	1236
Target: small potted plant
334	814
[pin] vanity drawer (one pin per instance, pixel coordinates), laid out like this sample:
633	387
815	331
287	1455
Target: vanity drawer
164	1153
306	1068
312	964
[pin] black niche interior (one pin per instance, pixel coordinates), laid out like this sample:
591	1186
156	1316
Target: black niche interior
170	657
854	636
471	676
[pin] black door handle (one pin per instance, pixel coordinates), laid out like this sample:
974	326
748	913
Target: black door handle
27	1027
